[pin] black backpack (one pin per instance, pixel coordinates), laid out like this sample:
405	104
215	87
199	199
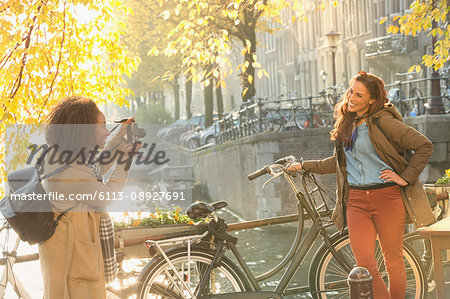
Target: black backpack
32	219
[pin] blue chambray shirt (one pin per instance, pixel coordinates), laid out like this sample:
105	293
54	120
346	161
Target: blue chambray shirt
363	164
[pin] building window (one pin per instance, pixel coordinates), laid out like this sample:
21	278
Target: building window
347	21
395	6
375	20
353	24
368	17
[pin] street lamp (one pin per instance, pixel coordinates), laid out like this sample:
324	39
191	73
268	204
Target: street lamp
333	38
323	76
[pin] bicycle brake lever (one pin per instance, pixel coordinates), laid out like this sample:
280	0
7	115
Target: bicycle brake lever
272	178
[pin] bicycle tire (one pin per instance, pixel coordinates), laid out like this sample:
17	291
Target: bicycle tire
273	121
416	93
325	271
422	246
153	281
301	118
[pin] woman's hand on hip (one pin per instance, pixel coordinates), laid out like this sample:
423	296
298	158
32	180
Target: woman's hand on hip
390	176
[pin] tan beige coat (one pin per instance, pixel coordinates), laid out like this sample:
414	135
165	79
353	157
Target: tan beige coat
390	137
71	260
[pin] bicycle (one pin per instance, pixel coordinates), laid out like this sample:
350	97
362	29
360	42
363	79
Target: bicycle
445	89
248	118
199	268
415	104
9	277
277	119
323	112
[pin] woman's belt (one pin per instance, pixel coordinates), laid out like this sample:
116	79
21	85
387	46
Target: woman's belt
372	187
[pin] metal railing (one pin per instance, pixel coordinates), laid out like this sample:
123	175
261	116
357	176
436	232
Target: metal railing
263	115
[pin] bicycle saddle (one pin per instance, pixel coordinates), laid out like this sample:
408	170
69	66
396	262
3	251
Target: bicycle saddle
202	209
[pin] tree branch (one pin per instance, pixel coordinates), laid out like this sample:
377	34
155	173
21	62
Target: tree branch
24	58
59	60
6	58
260	12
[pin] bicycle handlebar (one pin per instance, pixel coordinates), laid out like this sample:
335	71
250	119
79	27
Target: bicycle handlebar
258	173
267	169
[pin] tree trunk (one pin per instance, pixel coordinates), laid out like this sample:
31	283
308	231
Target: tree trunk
209	99
176	92
219	98
188	87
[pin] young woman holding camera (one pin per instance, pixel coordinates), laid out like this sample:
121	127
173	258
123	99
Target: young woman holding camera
374	180
72	260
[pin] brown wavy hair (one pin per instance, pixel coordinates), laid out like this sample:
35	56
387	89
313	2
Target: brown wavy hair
70	124
344	119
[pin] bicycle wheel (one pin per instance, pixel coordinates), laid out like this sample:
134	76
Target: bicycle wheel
422	246
273	121
322	115
301	118
327	279
157	279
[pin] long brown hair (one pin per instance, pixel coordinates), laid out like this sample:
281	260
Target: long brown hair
344	119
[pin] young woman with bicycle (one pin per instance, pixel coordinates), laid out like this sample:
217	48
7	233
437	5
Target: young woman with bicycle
374	180
73	259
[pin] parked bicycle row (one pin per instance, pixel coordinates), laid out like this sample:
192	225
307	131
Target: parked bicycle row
288	112
255	116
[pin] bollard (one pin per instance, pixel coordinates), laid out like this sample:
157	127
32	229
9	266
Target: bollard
360	282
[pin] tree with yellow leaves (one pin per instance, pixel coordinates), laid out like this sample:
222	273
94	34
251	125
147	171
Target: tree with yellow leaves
50	49
421	18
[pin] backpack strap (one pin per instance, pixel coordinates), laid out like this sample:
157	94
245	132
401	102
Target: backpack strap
56	171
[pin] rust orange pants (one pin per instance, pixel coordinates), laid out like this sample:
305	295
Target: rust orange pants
372	213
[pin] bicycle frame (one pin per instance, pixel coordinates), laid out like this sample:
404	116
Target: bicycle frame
296	255
9	276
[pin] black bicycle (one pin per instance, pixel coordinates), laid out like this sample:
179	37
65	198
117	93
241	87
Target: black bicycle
200	268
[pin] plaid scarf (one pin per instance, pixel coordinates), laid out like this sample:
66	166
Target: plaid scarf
106	230
109	254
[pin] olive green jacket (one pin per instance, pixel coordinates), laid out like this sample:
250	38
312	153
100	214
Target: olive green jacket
391	138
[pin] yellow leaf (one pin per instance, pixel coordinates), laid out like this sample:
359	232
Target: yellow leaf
411	69
294	18
383	20
260	74
207	82
250	79
389	29
136	223
165	14
244	91
418	68
265	73
335	3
